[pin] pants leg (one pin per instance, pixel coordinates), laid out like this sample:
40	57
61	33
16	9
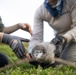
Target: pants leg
3	60
69	53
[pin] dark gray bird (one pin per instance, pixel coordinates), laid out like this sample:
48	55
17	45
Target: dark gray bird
43	51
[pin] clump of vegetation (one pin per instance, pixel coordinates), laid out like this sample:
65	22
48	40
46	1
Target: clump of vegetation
28	69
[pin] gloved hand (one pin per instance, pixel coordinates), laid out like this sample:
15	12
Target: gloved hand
15	43
60	42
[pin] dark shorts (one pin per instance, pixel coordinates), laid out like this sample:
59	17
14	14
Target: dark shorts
3	60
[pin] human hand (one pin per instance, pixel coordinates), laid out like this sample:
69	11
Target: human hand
28	56
16	44
26	27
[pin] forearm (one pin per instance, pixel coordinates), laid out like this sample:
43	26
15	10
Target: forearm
10	29
15	43
71	35
37	36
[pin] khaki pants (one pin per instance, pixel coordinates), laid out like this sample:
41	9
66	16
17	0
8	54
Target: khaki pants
69	53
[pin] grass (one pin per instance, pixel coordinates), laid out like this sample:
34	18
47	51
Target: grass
28	69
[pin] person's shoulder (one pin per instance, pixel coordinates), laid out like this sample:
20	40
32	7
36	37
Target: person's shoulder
70	1
41	7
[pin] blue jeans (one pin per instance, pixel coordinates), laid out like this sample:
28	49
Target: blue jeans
3	60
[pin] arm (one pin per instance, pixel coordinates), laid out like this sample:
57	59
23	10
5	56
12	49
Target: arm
37	36
71	34
16	44
8	29
13	28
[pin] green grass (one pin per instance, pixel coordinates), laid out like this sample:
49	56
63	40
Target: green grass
27	69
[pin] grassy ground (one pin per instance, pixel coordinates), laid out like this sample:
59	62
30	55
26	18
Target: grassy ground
27	69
